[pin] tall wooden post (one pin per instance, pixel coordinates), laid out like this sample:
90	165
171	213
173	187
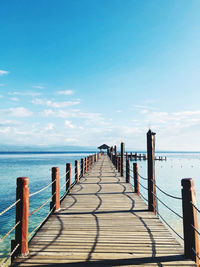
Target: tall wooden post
82	167
128	172
190	221
86	165
136	178
122	159
68	177
55	189
119	164
151	170
22	214
77	171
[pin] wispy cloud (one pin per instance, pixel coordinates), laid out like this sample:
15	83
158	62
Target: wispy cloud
3	72
38	86
32	94
1	84
66	92
1	96
68	124
14	99
16	112
49	103
9	123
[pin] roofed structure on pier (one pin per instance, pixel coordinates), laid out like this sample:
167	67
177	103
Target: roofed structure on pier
104	146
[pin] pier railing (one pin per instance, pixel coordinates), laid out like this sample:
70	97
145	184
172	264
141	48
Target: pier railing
189	219
19	246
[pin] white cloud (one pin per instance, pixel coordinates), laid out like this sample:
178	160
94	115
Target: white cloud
49	127
33	94
49	103
66	92
38	86
8	123
1	96
14	99
1	84
16	112
3	72
68	124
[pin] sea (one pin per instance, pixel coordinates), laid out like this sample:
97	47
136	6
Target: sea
38	165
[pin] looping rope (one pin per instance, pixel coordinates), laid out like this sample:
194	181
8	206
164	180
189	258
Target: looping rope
168	224
195	229
39	191
143	197
7	209
195	206
42	205
64	184
142	177
64	175
168	207
166	193
10	255
11	229
143	186
41	222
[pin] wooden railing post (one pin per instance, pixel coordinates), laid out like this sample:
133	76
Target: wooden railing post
55	189
76	171
122	159
22	214
86	165
128	174
68	177
119	164
190	221
151	170
136	178
82	167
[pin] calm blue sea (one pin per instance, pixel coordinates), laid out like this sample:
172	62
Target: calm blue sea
37	166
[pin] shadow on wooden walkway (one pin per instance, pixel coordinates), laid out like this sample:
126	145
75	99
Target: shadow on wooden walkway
102	222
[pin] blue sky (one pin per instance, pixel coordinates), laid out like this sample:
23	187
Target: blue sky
93	71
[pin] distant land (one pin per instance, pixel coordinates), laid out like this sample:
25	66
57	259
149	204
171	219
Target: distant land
19	148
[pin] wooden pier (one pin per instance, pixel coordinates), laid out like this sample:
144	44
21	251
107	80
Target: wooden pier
103	222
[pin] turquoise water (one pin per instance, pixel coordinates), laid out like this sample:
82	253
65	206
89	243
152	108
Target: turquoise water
38	166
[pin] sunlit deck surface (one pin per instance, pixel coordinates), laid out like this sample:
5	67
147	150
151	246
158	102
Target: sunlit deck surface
102	222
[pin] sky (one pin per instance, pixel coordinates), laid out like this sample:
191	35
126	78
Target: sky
87	72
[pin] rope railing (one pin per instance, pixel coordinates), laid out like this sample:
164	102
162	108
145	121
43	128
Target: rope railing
41	190
10	255
195	229
196	254
41	222
143	186
168	206
64	175
42	205
64	184
11	229
8	208
142	177
143	197
167	194
168	224
195	207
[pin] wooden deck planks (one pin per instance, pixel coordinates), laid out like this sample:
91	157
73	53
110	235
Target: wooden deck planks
103	222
